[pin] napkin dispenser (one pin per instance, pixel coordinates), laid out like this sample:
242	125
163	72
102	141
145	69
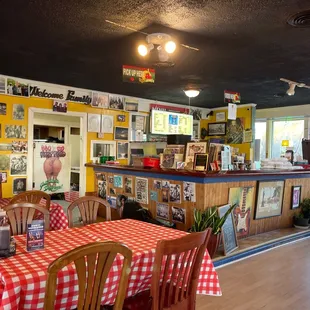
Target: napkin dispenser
5	235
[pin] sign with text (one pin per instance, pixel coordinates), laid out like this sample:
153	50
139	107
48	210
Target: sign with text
231	96
59	93
132	74
168	108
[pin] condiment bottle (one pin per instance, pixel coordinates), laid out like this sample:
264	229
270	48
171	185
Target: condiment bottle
5	233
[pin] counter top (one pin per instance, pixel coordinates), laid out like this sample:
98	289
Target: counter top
216	176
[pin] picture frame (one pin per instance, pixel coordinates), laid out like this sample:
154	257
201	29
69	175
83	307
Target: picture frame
296	197
201	162
191	149
121	133
269	199
217	129
220	117
122	150
229	234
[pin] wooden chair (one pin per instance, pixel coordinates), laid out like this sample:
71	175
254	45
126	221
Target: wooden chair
21	214
176	289
32	197
88	207
97	268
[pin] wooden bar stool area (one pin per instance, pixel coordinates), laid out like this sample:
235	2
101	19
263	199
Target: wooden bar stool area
173	288
93	262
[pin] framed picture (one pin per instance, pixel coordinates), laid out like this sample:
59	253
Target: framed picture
121	133
122	150
269	199
229	237
201	162
296	196
100	100
107	123
60	106
121	118
94	122
220	117
116	102
217	129
191	149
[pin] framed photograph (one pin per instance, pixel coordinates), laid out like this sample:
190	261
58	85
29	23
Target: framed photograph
269	199
107	123
201	162
296	196
4	162
2	108
121	133
131	105
2	85
189	191
122	150
18	164
220	117
17	87
15	131
19	185
121	118
4	177
217	129
118	181
19	146
142	190
128	185
60	106
93	122
175	193
235	130
116	102
178	215
100	100
162	211
229	236
191	149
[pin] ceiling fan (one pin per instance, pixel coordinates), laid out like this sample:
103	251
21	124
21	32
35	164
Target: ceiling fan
292	86
148	34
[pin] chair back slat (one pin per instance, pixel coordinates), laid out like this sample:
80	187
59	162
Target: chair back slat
21	214
88	207
176	271
93	262
34	197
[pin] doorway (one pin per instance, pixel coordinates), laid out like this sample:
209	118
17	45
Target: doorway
57	130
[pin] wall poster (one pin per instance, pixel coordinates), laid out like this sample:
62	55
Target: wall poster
52	167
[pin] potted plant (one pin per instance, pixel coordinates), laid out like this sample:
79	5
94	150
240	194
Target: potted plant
210	218
300	220
305	208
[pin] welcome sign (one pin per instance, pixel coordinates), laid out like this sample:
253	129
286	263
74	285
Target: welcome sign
139	75
50	92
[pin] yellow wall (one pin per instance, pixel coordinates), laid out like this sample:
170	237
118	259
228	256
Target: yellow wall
7	188
244	112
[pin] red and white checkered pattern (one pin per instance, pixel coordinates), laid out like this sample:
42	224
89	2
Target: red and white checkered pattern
72	196
23	276
58	218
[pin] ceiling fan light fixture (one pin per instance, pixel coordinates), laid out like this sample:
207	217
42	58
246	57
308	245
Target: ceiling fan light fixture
143	50
191	93
170	47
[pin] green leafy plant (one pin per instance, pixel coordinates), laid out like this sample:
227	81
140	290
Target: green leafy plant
305	208
209	218
298	215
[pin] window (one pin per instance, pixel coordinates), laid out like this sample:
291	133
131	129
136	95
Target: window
260	134
292	130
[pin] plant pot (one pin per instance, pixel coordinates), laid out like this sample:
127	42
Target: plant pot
213	244
301	221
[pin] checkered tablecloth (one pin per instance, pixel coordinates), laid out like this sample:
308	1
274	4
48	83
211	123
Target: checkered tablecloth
23	276
58	218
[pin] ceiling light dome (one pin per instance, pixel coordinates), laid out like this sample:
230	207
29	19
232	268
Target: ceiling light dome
191	93
170	47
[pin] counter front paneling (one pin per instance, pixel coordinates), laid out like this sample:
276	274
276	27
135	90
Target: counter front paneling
212	189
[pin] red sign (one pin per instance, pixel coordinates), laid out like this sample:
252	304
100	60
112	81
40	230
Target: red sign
231	96
132	74
161	107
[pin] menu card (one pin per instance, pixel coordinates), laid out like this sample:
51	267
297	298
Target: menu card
35	235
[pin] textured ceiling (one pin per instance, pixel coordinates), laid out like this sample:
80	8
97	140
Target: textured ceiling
245	46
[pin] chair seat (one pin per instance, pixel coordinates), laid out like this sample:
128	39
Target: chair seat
143	300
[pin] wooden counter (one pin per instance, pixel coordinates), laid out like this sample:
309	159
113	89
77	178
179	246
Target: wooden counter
213	189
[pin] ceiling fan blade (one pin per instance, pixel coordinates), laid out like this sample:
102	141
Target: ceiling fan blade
190	47
306	86
125	27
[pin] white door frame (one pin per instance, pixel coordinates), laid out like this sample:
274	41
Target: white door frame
83	135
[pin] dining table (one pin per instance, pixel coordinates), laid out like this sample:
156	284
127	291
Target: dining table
58	217
23	276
